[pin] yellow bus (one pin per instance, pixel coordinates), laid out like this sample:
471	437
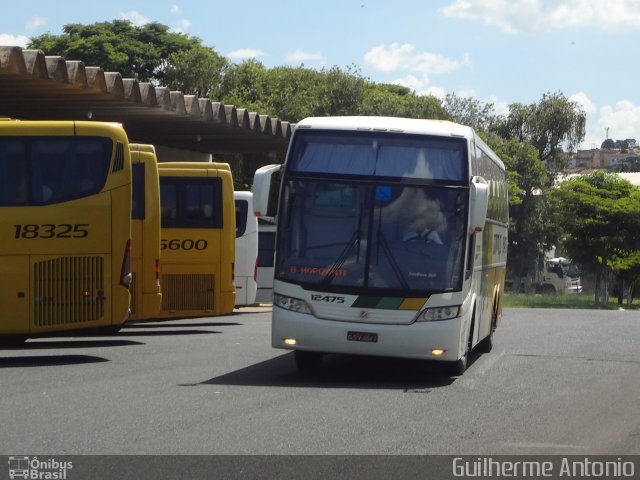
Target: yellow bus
198	235
146	297
65	203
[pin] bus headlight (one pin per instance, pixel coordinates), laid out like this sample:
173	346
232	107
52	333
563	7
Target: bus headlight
290	303
440	313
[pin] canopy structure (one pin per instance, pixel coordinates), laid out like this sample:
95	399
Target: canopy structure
34	86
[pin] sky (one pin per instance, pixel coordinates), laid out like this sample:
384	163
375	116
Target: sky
498	51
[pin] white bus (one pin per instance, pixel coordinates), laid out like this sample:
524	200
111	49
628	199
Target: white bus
392	240
266	257
246	263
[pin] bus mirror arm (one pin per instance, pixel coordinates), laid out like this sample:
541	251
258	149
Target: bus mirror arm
479	201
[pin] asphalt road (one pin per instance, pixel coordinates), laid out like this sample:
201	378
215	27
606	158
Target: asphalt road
557	382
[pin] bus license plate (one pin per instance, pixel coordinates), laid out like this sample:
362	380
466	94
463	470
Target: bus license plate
362	337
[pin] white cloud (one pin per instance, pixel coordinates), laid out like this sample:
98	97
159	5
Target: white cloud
404	58
182	26
245	53
176	9
420	85
13	40
35	23
134	17
516	16
622	121
581	99
298	56
500	107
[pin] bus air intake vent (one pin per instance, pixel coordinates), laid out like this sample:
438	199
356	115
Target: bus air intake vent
118	162
68	290
187	292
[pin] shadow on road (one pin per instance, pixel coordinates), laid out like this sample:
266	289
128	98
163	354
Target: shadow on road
51	343
340	371
158	333
174	325
48	360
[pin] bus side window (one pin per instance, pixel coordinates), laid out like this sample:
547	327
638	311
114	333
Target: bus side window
168	198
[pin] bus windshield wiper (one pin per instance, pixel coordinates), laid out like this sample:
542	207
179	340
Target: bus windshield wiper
337	265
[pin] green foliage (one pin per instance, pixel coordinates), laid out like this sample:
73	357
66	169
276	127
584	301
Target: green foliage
601	222
532	225
395	101
245	85
197	71
118	46
550	125
519	300
340	92
469	111
608	144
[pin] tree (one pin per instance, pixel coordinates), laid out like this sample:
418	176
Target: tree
245	84
532	225
469	111
118	46
621	144
608	144
198	71
291	92
601	223
398	101
551	125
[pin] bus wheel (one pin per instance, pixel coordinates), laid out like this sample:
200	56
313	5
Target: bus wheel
486	345
459	366
548	290
307	361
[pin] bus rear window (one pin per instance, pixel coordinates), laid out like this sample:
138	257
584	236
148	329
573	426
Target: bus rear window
242	211
46	170
137	192
191	202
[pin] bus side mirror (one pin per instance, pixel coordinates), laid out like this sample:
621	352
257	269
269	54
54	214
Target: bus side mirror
266	186
478	203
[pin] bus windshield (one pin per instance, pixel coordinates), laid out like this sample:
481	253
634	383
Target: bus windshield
47	170
355	237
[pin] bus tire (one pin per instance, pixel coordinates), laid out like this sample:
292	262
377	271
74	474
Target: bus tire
458	367
486	345
548	289
307	361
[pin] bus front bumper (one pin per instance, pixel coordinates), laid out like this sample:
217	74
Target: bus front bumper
416	340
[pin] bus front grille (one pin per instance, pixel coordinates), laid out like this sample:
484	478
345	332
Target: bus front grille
187	292
68	290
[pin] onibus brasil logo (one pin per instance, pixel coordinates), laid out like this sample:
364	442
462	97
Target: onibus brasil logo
38	469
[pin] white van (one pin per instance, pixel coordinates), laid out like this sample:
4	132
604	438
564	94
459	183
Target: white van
266	251
245	269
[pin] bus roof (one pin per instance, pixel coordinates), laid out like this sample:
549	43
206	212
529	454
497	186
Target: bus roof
141	147
195	165
390	124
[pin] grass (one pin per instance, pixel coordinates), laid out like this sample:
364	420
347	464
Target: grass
520	300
